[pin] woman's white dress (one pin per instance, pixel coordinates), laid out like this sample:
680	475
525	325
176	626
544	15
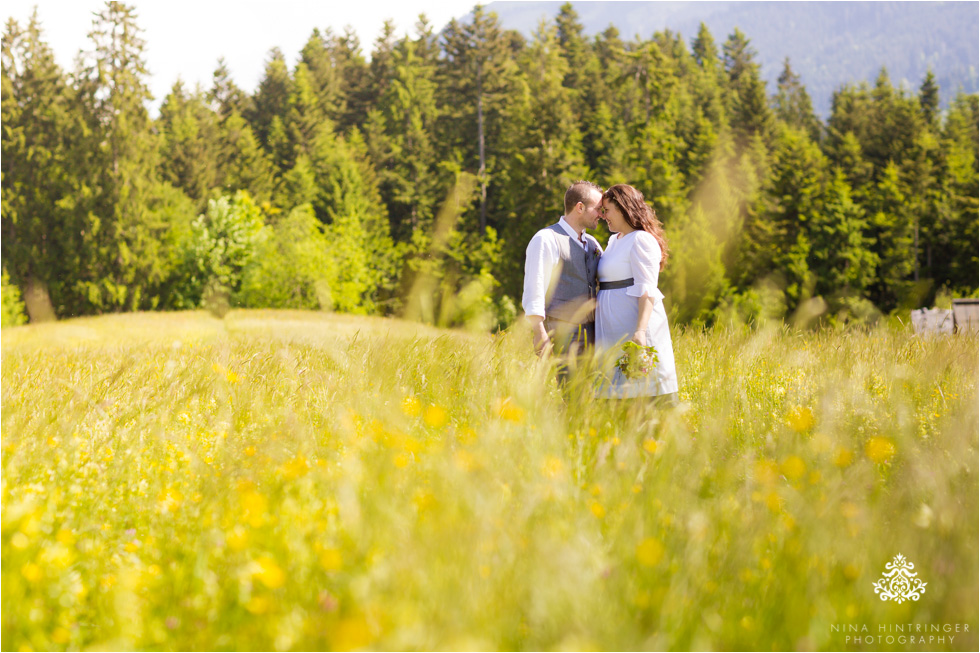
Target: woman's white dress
636	256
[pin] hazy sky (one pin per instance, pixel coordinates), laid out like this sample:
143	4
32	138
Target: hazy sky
185	37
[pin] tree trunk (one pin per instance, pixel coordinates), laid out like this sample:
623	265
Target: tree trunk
37	301
480	139
915	271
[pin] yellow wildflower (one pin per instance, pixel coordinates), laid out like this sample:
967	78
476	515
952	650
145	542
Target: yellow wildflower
849	510
351	634
766	472
649	552
269	573
465	460
793	468
295	468
435	416
238	538
800	419
258	605
880	450
31	572
510	411
331	559
774	502
843	457
552	467
60	635
254	506
169	500
411	406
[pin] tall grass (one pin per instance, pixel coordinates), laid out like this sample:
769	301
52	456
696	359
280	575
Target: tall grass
295	481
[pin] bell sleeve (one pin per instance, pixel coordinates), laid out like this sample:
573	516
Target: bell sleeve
645	263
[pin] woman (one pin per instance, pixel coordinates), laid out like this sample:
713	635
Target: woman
630	306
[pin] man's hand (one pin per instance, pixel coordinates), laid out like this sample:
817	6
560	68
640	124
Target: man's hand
542	343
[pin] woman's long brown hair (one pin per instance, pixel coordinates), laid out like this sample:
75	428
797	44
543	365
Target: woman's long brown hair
638	214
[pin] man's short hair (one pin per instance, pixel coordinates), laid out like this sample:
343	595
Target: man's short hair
579	192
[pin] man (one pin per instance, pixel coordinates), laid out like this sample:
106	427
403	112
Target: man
561	275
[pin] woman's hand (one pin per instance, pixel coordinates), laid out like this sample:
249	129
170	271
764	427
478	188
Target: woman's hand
642	320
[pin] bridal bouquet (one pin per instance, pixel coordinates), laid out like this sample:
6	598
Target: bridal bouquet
636	361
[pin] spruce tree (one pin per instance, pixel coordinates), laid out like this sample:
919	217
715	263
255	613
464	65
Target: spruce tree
479	77
840	255
129	248
354	73
793	105
188	139
40	130
748	101
929	98
956	232
224	96
401	139
242	164
326	78
545	132
271	99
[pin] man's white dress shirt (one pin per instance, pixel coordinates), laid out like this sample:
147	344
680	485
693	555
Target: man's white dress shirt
542	259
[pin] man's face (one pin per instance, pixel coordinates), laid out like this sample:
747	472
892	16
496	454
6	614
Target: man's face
590	214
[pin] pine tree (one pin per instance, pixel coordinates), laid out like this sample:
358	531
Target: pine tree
929	98
224	96
840	256
748	101
242	164
709	118
478	72
129	245
793	105
40	129
583	79
188	140
354	73
956	231
849	157
326	78
347	201
400	135
382	66
891	236
304	114
850	127
777	239
546	135
271	99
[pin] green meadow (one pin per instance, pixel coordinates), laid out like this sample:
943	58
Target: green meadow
295	480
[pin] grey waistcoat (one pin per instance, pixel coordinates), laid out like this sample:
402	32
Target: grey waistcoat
571	295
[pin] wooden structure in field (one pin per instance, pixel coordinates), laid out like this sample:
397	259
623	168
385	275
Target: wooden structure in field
966	315
963	318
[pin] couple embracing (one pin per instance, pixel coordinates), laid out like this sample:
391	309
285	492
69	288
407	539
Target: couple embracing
577	295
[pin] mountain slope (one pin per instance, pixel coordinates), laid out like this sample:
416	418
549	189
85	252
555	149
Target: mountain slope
829	44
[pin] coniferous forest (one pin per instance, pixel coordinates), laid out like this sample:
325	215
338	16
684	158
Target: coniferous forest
409	182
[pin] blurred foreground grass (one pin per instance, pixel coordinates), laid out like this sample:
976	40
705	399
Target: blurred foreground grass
287	480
